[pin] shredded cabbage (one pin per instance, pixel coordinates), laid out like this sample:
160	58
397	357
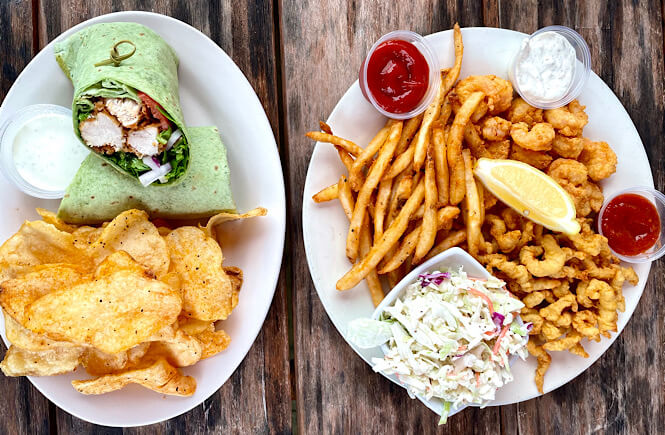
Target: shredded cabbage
442	338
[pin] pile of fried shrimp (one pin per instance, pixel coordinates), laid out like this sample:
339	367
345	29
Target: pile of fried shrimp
411	194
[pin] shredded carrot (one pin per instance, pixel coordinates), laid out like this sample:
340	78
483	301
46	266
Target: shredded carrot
461	348
478	279
477	380
484	297
498	340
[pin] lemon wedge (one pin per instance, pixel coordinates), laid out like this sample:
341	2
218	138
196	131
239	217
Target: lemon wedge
530	192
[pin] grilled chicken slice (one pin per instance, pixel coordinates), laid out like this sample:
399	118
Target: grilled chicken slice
102	131
144	142
126	110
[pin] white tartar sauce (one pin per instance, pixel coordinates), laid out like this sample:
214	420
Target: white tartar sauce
545	67
46	151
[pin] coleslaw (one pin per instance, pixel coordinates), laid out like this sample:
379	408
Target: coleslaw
448	336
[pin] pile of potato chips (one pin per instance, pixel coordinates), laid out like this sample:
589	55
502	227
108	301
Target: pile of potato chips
129	301
411	194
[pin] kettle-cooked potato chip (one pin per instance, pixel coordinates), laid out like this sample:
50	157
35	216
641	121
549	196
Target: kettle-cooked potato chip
181	351
132	232
191	326
207	290
51	218
235	275
113	313
156	376
16	294
220	218
28	340
213	342
55	361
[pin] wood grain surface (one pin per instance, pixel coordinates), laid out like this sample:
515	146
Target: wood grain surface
301	56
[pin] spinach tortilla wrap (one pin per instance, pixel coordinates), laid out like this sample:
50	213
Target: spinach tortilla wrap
99	193
126	106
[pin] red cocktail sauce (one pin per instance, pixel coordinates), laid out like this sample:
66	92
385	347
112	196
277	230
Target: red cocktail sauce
631	224
397	76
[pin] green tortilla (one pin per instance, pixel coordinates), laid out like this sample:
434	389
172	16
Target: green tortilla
153	70
99	193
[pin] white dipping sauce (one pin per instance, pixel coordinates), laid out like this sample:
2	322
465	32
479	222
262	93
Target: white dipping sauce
46	151
545	67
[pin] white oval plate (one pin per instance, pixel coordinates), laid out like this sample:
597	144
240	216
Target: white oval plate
213	93
486	51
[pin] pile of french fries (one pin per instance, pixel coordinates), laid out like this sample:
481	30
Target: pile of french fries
404	190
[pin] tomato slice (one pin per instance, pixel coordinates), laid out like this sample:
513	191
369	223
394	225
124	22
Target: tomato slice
154	109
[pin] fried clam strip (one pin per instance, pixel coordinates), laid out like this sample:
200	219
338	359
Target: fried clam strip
365	193
444	219
355	174
372	278
361	269
544	360
454	147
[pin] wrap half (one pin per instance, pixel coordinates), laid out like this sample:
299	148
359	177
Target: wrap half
126	106
99	193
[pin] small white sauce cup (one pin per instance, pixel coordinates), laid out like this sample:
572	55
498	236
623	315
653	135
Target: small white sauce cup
8	132
658	200
432	62
582	68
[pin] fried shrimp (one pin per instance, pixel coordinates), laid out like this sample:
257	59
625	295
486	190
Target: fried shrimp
567	147
568	120
538	159
521	111
572	176
497	149
599	159
553	257
538	138
498	94
495	128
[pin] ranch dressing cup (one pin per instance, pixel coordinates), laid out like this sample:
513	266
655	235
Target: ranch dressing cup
39	151
551	67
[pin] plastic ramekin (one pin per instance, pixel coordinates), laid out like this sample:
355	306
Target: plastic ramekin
582	68
8	132
432	62
658	200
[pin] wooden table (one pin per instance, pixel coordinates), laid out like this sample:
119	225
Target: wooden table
300	56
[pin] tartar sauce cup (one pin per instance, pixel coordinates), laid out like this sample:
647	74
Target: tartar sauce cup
53	155
580	76
432	62
658	200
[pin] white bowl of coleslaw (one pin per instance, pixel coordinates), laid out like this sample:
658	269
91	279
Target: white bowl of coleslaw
449	332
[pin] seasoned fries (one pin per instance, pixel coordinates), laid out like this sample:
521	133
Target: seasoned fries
420	197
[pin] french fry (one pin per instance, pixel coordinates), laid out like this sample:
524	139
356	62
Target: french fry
382	198
429	225
346	159
401	163
355	174
365	193
325	127
409	130
472	206
453	75
454	148
347	145
347	202
446	111
326	194
440	164
423	137
394	277
444	219
390	237
452	239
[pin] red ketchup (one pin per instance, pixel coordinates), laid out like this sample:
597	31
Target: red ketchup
397	76
631	224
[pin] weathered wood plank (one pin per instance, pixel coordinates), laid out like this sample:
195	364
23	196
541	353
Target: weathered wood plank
324	44
623	391
257	398
22	409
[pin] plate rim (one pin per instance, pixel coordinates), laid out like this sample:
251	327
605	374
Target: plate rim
306	205
279	214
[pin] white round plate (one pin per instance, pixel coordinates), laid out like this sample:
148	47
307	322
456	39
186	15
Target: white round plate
486	51
214	94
